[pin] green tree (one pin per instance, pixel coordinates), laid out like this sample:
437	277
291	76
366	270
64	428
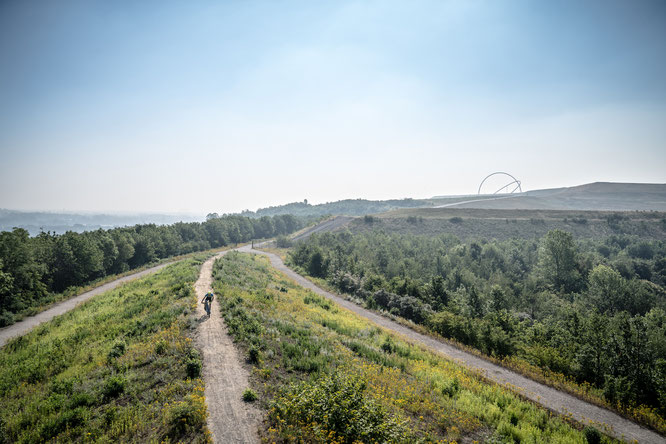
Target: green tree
606	289
438	294
498	299
557	260
475	303
316	267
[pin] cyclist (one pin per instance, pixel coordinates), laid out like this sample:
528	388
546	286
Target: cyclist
207	301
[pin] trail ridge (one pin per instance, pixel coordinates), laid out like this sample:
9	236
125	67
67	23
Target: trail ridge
230	420
553	399
27	324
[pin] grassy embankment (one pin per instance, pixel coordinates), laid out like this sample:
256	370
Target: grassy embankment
641	414
326	375
119	368
55	298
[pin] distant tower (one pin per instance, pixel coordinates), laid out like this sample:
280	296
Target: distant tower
514	184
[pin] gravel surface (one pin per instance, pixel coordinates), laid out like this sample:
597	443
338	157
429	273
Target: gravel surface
230	419
332	224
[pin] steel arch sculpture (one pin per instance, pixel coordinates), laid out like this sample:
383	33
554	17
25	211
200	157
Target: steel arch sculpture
515	182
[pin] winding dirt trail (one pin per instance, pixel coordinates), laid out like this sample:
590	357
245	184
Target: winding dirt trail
230	420
24	326
549	397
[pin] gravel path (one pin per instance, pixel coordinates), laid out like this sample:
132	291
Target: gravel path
549	397
332	224
230	420
24	326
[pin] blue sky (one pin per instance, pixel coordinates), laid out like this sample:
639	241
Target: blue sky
222	106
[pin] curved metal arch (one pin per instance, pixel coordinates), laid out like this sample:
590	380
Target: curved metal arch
515	181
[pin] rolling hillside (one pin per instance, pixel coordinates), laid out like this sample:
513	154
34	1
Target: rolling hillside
601	196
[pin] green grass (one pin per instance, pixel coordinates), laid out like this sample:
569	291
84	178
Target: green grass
51	299
324	374
118	368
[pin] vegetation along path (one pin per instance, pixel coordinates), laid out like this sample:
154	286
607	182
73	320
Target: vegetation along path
549	397
230	420
24	326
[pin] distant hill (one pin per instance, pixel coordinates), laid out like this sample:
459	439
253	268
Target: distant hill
348	207
59	223
355	207
598	196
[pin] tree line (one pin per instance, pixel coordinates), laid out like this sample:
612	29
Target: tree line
33	268
594	310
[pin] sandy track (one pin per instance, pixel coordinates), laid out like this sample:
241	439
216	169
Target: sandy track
24	326
549	397
230	420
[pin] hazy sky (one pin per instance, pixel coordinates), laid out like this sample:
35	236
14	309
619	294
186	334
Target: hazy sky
222	106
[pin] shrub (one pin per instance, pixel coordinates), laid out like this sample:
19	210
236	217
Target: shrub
114	386
117	350
336	405
283	242
161	347
65	420
249	395
6	318
254	355
592	435
388	346
456	220
193	368
451	388
188	414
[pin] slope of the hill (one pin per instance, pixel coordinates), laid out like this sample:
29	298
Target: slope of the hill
502	224
325	374
119	368
354	207
603	196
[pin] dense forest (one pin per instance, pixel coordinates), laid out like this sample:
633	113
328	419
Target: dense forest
589	309
33	268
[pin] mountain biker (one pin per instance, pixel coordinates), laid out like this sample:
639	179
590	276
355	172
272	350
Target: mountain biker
207	301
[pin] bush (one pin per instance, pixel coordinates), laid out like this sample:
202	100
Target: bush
388	346
283	242
65	420
193	368
592	435
451	388
6	318
161	347
185	415
249	395
254	355
117	350
114	386
337	406
456	220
